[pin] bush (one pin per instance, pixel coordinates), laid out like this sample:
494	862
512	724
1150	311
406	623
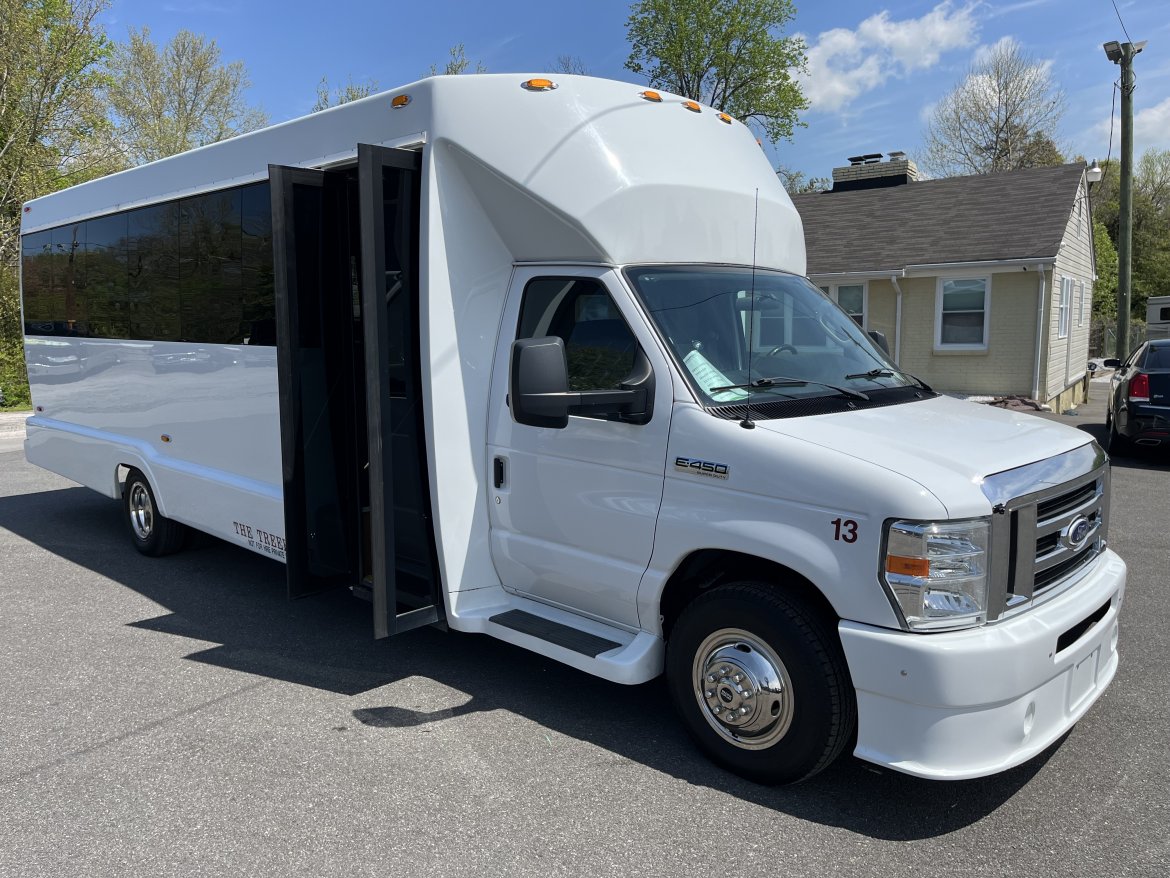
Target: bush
13	377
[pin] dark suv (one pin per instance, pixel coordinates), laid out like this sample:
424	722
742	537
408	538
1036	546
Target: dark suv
1139	398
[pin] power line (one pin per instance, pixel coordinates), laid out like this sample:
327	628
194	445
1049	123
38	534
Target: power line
1112	114
1118	11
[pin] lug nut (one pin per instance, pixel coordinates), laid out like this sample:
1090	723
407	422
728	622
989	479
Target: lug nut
737	677
710	678
708	694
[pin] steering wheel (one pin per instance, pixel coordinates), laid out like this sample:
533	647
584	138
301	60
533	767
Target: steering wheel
781	349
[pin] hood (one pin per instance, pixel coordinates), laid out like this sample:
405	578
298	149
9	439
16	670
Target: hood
946	445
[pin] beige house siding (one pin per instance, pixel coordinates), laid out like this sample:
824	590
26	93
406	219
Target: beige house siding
1006	367
1066	357
882	310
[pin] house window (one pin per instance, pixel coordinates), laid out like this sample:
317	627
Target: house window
1081	303
1065	307
851	298
961	313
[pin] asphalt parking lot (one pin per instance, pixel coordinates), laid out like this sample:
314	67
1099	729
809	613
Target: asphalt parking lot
181	717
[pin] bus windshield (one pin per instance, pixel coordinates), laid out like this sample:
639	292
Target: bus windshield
739	334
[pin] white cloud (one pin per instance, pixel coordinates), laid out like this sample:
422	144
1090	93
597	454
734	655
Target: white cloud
1151	130
843	63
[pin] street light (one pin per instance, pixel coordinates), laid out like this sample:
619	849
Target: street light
1122	54
1093	174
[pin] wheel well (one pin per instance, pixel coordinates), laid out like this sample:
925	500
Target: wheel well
707	568
121	473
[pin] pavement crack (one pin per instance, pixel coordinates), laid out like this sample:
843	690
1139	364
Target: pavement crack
130	733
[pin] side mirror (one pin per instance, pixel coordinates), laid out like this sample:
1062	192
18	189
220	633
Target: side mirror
539	385
879	338
1112	363
538	390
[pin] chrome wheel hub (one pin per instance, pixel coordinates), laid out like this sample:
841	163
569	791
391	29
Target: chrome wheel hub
743	689
141	511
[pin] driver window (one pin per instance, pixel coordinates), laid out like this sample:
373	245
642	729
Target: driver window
599	346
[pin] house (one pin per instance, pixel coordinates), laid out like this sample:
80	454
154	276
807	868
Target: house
981	285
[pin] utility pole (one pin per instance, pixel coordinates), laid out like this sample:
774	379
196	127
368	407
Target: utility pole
1122	54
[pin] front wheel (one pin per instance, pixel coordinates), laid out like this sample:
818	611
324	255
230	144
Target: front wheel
761	683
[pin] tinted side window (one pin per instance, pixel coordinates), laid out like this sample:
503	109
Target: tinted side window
599	346
36	282
198	269
153	278
210	265
106	276
68	290
258	299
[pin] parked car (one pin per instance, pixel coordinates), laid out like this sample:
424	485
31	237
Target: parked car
1139	398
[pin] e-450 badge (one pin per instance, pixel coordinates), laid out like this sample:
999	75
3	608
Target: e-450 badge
697	467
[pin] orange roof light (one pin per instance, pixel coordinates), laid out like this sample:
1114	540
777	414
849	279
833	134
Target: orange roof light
651	96
723	117
399	101
539	84
692	106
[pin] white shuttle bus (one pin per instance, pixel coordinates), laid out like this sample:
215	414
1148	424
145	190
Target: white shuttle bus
538	360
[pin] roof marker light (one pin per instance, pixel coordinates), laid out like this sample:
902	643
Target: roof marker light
723	117
692	106
539	84
399	101
651	96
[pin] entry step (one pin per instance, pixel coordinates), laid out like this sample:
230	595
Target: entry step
554	632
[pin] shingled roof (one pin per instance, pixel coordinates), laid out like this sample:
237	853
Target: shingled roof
1013	215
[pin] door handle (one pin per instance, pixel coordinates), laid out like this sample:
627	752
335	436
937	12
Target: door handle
498	472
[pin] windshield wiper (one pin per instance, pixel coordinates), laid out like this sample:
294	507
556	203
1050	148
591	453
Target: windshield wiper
890	373
784	381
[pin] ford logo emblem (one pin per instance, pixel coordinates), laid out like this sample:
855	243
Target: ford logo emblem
1076	534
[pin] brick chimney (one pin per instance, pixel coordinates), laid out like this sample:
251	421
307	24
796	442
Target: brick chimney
870	172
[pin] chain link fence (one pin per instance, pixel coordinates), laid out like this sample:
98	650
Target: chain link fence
1103	337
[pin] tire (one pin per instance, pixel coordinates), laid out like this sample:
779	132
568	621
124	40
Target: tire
151	534
1117	445
782	733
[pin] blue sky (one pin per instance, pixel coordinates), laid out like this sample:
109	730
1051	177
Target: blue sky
875	68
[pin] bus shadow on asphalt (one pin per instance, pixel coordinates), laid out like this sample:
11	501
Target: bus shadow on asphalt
221	594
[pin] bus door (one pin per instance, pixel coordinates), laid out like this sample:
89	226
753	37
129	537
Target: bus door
357	510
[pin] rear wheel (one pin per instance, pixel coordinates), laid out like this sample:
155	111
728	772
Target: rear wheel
151	533
1116	444
761	683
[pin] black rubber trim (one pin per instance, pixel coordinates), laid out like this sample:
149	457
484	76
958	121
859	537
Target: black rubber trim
554	632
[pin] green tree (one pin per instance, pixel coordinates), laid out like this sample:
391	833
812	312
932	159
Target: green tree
165	101
52	133
728	54
1151	223
796	183
51	124
456	64
1002	116
351	91
1105	288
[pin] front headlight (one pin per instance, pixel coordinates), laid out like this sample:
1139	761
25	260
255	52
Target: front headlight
936	572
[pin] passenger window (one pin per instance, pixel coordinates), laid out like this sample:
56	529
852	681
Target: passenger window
599	346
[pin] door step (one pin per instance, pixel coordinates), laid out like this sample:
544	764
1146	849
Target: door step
554	632
615	653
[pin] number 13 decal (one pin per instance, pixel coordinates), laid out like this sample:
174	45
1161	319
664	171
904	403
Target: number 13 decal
844	530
